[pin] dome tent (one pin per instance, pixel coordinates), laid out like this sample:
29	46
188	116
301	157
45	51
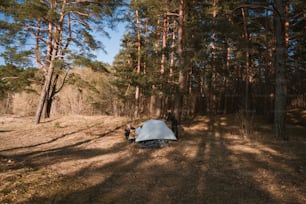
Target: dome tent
152	130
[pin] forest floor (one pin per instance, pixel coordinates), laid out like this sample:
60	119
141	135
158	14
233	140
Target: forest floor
82	159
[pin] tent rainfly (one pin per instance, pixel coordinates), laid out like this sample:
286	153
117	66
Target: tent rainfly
154	130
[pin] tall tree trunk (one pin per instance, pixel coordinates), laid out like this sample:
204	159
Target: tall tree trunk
53	44
280	70
181	81
137	91
246	123
50	96
172	56
247	63
160	97
154	108
269	72
45	90
164	43
153	97
212	98
228	63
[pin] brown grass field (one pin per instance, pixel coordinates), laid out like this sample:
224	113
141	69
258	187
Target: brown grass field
86	159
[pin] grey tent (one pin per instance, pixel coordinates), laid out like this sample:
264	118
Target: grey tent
154	130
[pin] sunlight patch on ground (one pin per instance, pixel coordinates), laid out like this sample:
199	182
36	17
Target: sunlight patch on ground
199	127
191	148
244	149
267	181
268	150
283	191
77	159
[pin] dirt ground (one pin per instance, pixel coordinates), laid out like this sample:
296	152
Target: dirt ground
82	159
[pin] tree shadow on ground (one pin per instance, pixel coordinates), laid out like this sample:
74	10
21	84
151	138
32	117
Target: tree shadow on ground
209	164
63	136
37	158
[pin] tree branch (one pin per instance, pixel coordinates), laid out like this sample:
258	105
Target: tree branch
253	6
70	33
62	85
36	28
38	57
172	14
5	78
258	6
80	13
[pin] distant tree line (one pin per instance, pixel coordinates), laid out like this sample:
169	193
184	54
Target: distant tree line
193	57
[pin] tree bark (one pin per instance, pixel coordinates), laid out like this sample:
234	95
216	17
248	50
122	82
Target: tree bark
246	112
181	81
137	91
212	97
280	70
50	96
172	56
44	93
45	100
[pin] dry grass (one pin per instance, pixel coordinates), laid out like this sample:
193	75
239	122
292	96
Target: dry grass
80	159
86	92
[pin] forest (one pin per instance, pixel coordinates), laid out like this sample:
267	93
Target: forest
193	57
234	68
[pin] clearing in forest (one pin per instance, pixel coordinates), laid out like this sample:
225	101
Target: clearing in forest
82	159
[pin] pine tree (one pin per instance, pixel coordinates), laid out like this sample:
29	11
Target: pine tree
219	56
59	31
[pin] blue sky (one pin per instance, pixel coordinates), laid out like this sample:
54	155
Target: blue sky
112	45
